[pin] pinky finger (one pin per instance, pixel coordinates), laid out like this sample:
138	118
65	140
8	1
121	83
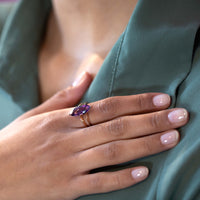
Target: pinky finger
109	181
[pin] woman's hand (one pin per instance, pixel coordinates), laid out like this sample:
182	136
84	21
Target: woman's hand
47	154
63	99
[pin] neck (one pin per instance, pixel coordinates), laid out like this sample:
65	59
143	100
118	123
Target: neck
79	27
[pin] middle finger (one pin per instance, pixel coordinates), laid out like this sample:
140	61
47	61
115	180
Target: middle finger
130	127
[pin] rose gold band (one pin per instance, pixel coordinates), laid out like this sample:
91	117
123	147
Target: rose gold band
86	120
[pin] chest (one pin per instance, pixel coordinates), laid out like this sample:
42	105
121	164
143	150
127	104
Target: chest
60	71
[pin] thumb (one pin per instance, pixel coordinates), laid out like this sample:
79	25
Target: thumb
63	99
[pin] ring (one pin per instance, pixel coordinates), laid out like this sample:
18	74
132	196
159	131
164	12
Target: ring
81	110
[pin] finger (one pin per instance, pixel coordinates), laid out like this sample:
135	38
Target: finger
125	150
130	127
110	108
63	99
109	181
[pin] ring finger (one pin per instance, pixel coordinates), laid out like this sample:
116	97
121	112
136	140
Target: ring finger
113	107
125	150
130	127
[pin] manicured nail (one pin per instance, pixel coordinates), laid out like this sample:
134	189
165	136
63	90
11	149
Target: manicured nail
161	100
178	115
79	79
140	173
169	138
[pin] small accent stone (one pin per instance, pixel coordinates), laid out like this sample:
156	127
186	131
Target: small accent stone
80	110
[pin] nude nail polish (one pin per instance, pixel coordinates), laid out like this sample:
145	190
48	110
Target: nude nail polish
178	115
161	100
140	173
79	79
169	138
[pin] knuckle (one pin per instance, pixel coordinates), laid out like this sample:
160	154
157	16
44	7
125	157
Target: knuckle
147	146
50	122
155	121
62	94
95	182
117	127
111	151
141	102
108	106
47	122
117	182
144	101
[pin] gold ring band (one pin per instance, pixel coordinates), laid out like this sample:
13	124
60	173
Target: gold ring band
85	119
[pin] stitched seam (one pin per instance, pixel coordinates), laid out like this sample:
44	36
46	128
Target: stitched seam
114	69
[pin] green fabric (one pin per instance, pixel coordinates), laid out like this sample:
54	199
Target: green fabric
5	9
157	52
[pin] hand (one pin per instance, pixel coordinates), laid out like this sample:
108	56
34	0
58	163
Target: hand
63	99
48	155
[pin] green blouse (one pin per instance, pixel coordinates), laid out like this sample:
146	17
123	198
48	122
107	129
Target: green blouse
158	52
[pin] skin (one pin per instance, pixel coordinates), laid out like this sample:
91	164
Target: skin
47	154
68	52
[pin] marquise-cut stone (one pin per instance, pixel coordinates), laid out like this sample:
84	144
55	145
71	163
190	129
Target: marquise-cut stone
80	110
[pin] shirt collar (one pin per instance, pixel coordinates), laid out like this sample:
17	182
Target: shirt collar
19	45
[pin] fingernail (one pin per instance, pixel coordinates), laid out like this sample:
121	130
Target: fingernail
178	115
79	79
161	100
169	138
140	173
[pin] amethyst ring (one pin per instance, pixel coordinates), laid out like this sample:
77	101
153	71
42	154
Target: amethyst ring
82	111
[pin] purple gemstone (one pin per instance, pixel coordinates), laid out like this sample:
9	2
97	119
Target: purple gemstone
80	110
